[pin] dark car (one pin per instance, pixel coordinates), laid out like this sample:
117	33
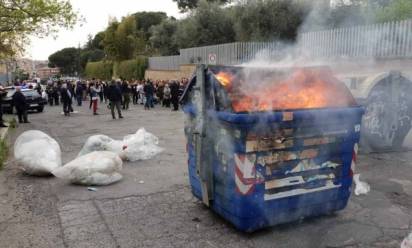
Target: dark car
34	100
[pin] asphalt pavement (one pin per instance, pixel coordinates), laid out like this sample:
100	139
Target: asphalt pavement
153	205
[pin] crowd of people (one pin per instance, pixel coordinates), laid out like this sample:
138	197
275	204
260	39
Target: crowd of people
117	94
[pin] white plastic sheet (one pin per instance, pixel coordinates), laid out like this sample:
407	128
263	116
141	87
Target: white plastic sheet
361	188
95	168
101	143
37	153
139	146
407	242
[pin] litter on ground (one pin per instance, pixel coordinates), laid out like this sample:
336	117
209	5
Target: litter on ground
37	153
361	188
407	242
139	146
96	168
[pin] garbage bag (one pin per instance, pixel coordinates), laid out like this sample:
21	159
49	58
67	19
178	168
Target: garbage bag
101	143
37	153
407	242
95	168
361	188
140	146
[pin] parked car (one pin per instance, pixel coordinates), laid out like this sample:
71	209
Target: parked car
34	100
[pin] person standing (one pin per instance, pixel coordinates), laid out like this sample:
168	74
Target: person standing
140	93
159	93
20	103
101	92
3	93
134	93
94	97
166	96
56	94
84	87
174	90
149	91
66	97
79	93
89	92
126	95
49	91
115	96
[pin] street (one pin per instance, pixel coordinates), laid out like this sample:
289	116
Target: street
153	206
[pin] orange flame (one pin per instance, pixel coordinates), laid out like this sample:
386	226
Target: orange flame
224	78
303	89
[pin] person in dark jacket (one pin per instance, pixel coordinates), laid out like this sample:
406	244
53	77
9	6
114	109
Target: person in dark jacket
159	93
79	93
115	97
66	97
3	93
148	92
126	95
49	92
101	92
56	94
134	93
174	91
20	103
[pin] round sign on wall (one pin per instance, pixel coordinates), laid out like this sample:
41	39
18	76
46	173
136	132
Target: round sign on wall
212	58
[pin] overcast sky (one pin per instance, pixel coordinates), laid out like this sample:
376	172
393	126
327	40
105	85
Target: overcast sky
96	13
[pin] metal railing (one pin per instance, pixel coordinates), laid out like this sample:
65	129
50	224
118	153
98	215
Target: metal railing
385	40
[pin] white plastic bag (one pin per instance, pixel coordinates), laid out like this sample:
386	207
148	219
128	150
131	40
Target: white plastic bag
37	153
140	146
407	242
361	188
95	168
101	143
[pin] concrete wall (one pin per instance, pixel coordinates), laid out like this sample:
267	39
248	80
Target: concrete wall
185	71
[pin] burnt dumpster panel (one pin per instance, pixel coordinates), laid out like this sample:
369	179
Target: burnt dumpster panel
269	165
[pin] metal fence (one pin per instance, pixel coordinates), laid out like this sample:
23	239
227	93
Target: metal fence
169	63
393	39
386	40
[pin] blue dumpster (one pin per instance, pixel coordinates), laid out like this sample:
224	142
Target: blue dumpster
262	168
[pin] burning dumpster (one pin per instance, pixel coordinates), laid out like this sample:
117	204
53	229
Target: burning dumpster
270	146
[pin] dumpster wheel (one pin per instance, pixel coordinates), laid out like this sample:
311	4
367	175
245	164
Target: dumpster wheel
388	116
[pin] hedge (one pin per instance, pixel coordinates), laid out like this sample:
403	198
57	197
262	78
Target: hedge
132	69
102	70
127	69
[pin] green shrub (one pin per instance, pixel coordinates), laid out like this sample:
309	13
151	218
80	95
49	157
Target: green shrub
12	122
4	150
132	69
102	70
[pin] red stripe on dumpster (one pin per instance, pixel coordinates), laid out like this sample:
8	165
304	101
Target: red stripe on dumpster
245	175
354	157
